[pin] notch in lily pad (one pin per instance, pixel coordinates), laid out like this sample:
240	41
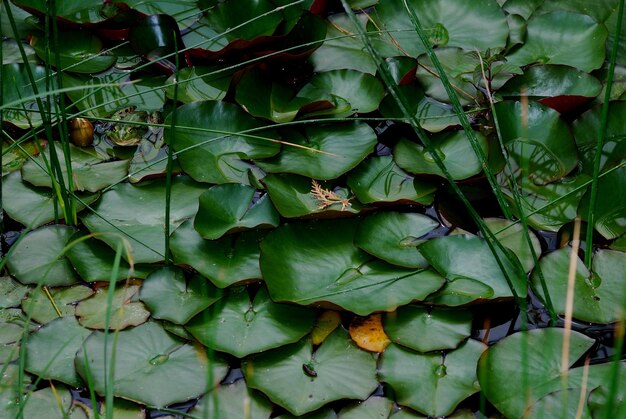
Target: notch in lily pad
241	326
233	207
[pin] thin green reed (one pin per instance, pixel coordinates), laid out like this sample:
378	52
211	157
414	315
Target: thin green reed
602	137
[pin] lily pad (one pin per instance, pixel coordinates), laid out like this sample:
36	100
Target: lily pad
19	93
103	94
208	147
552	82
44	306
512	379
123	311
443	380
76	51
293	196
562	38
52	403
432	115
90	171
609	217
232	259
471	270
233	401
136	214
598	296
281	103
341	50
148	366
539	142
332	150
11	292
33	206
50	351
453	148
325	324
459	65
241	326
93	261
411	326
394	237
169	296
362	91
232	18
39	257
199	83
453	23
549	207
293	254
231	207
375	407
586	130
511	235
367	333
302	379
380	179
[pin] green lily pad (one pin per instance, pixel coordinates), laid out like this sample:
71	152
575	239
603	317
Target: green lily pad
106	93
51	350
432	115
452	23
76	51
453	148
599	10
241	326
379	179
597	296
43	307
18	93
412	325
11	333
90	171
342	51
514	239
293	197
443	380
362	91
550	81
232	17
217	155
33	206
124	311
609	217
281	103
51	403
233	401
39	257
231	207
333	149
230	260
554	402
199	83
539	142
562	38
74	10
136	214
149	366
11	292
513	379
323	413
459	65
586	130
471	270
619	244
611	25
375	407
93	261
394	237
549	207
302	379
294	253
185	298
